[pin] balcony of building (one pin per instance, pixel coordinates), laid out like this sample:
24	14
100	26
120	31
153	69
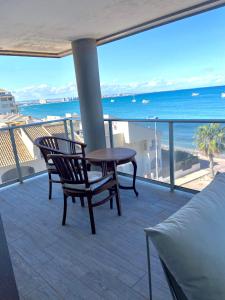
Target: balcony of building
55	262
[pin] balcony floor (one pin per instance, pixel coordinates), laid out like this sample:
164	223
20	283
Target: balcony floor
55	262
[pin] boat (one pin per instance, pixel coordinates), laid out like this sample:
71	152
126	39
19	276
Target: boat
195	94
223	95
133	100
112	100
145	101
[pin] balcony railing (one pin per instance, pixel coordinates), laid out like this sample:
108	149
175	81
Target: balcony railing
167	150
19	158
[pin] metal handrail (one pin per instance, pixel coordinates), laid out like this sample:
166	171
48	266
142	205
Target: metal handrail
37	123
153	120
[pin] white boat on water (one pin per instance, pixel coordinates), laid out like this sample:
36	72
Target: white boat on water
195	94
222	95
133	100
112	100
145	101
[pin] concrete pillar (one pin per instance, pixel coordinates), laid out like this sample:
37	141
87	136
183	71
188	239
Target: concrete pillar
89	92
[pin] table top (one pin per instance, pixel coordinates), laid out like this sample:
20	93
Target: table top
111	154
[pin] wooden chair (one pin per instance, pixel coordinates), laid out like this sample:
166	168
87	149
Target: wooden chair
55	145
77	181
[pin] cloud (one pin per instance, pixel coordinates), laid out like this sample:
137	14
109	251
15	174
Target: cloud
45	91
156	85
109	89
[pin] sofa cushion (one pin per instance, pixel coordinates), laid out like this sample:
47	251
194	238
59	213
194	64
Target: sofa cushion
192	243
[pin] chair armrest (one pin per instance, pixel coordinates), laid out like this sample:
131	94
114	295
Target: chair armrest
80	144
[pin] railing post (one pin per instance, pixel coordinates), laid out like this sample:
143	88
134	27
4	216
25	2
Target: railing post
149	266
110	134
71	130
66	129
171	152
16	157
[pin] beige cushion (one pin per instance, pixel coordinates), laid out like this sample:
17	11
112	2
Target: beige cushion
192	243
92	176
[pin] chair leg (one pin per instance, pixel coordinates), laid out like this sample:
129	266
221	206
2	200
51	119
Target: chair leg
91	215
134	176
82	201
111	200
118	200
73	199
64	210
50	186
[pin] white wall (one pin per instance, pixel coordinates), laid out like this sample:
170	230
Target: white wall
34	151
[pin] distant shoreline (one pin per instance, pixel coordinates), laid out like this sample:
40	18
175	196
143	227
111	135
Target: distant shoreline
55	100
206	104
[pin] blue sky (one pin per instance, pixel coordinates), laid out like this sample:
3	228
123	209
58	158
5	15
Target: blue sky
184	54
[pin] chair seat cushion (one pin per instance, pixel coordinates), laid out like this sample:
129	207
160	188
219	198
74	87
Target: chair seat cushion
92	176
192	243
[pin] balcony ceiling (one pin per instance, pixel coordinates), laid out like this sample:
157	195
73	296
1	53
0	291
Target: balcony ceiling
46	27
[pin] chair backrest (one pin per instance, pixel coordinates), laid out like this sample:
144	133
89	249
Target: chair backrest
175	289
53	145
72	169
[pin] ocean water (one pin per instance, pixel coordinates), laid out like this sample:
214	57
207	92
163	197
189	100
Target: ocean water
198	103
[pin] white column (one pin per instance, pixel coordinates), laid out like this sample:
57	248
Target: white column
89	92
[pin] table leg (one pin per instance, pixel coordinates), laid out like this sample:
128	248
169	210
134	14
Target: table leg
133	187
118	203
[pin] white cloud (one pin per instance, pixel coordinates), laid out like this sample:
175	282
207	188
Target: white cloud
154	85
158	84
45	91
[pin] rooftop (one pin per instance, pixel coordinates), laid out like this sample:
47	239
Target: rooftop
6	150
46	28
55	262
24	153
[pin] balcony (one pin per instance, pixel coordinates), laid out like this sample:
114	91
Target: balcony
55	262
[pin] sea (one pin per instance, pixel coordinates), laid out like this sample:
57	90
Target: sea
197	103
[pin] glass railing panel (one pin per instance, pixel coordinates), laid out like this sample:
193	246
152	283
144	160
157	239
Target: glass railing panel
150	141
30	158
199	153
76	131
108	128
8	170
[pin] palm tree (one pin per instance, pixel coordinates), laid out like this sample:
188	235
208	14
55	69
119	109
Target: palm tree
210	140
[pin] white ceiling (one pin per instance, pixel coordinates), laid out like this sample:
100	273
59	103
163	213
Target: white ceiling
46	27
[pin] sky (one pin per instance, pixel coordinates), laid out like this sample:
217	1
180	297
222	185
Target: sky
185	54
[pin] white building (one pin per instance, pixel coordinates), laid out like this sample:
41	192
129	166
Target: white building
7	103
146	141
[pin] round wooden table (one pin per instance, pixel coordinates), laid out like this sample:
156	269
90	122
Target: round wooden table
112	157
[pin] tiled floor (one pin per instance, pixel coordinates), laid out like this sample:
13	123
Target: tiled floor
55	262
